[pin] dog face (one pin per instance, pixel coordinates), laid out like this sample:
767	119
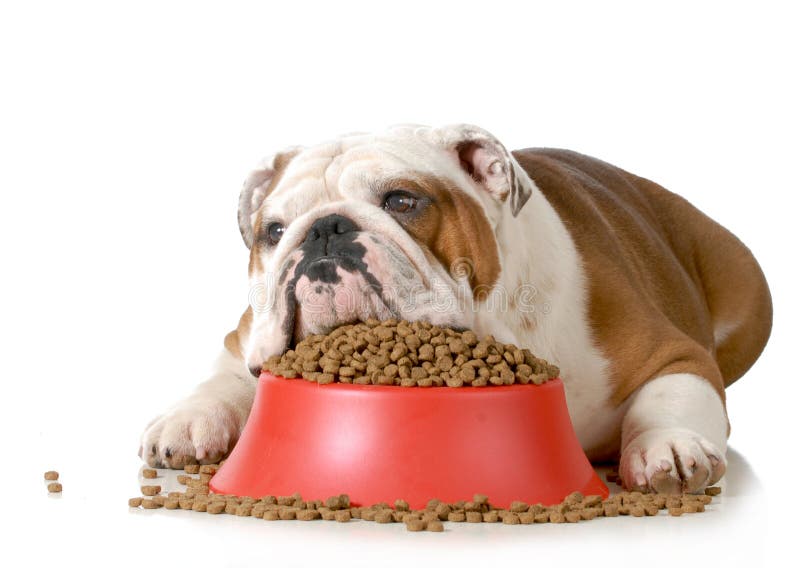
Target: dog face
400	224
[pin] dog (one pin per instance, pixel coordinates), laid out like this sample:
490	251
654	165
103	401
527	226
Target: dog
649	307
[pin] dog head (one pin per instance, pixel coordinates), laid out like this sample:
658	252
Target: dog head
400	224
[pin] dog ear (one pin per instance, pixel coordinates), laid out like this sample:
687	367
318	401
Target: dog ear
487	161
257	186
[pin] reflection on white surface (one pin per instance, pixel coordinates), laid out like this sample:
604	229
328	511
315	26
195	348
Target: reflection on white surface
90	522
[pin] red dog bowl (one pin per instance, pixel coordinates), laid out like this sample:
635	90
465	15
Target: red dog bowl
381	443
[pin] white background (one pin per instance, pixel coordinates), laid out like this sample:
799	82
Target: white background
127	128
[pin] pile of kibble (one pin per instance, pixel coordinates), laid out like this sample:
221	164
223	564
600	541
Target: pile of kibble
576	507
409	354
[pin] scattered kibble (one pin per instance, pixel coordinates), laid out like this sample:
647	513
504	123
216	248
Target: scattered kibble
575	508
149	473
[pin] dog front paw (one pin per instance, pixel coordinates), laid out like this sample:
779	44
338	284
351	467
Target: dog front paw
670	460
196	430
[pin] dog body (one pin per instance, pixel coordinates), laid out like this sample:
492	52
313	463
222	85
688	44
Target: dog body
648	307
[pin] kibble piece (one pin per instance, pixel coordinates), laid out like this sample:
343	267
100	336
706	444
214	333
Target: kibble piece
491	517
456	517
150	504
511	519
525	518
215	508
333	503
287	513
150	490
50	475
342	516
54	487
480	499
518	507
712	491
270	515
556	517
592	501
474	517
243	510
415	525
308	515
149	473
384	516
134	501
435	526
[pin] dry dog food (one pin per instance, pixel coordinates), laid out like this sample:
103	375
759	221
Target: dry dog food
149	474
51	475
54	487
573	509
409	354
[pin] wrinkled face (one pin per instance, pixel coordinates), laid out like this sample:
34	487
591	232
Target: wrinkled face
395	225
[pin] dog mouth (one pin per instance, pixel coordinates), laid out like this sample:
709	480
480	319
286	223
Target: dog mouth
329	291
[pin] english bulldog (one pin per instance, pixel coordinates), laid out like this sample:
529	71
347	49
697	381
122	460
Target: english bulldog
649	307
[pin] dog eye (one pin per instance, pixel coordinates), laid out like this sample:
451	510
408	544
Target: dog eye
275	232
400	202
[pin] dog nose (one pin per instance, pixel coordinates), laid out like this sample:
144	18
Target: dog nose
331	225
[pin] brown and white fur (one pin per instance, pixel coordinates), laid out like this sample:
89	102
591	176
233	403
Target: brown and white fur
649	307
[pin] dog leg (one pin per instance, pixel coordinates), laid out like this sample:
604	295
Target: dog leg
674	436
204	427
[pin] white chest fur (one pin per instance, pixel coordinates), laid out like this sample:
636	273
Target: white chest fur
541	303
